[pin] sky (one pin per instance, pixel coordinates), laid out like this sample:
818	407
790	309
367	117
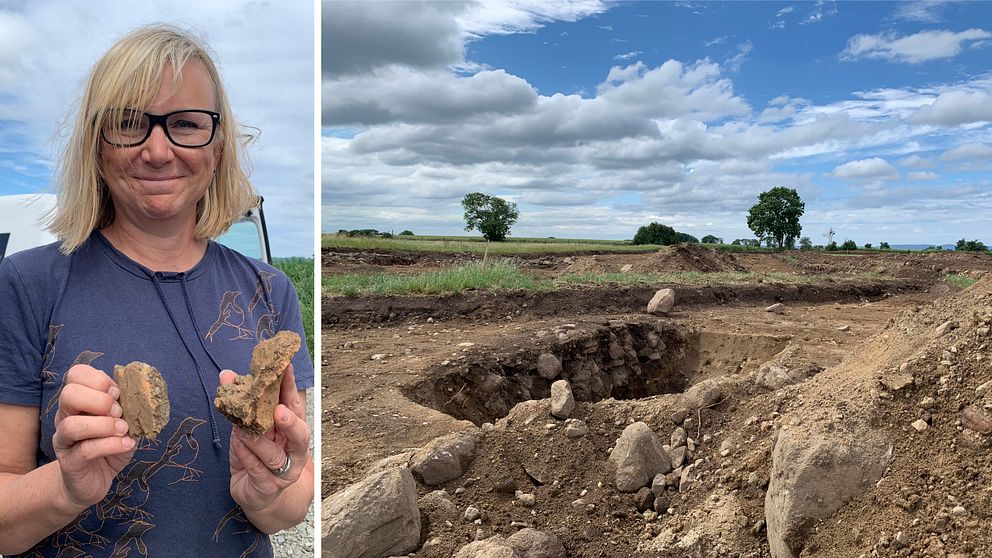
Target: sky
265	53
597	117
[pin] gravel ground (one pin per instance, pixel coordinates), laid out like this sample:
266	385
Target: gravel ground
298	541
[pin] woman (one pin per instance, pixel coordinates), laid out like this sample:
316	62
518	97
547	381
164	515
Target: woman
151	173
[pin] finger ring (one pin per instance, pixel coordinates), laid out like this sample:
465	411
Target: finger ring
281	471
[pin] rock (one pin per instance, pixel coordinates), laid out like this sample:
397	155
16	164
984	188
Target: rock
531	543
945	328
444	459
391	462
472	513
981	390
493	547
548	366
562	400
662	302
774	376
251	400
685	480
920	425
440	501
777	308
704	394
658	484
526	500
375	517
678	438
575	428
974	419
626	268
644	499
844	327
144	399
677	456
638	456
815	470
505	485
896	381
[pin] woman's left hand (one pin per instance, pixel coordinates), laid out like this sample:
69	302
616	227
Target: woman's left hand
257	475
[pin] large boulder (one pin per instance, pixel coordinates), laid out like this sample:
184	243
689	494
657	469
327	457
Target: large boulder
638	456
373	518
444	459
815	470
562	400
548	366
493	547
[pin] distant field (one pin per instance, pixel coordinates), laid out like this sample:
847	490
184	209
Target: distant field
477	245
300	270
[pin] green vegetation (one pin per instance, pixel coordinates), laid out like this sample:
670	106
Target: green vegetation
775	218
491	215
710	239
300	271
497	275
849	245
685	278
970	246
959	281
663	235
477	245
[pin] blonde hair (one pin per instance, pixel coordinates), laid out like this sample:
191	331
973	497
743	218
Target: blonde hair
130	75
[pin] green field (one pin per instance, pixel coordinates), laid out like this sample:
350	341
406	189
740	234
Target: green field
477	245
300	270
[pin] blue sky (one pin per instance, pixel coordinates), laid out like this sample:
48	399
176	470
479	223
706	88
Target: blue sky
599	117
265	51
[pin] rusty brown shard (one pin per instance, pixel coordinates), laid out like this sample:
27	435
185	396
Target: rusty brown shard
144	399
251	400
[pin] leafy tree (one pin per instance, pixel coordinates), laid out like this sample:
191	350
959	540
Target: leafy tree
868	246
491	215
970	246
849	245
406	233
776	215
685	237
805	243
656	233
884	246
710	239
746	242
832	246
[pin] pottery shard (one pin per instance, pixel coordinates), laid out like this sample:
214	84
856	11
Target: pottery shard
144	399
251	400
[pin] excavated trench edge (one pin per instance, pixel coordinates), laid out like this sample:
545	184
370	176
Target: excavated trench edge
623	360
344	311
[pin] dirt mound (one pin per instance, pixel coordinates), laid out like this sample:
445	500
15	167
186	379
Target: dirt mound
689	257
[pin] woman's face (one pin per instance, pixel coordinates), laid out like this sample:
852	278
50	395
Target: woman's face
159	182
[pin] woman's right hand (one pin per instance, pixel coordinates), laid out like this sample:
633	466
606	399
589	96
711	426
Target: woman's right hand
90	440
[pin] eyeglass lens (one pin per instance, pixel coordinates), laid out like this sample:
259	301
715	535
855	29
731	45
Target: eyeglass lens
183	128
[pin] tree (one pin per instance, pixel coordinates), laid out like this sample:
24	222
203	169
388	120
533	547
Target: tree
868	246
849	245
805	243
406	233
776	215
970	246
884	246
685	237
710	239
829	235
656	233
491	215
746	242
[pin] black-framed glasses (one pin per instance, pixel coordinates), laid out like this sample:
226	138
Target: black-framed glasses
184	128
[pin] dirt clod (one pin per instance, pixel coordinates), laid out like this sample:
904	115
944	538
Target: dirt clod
251	400
144	399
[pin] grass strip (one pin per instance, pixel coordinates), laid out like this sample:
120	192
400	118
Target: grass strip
496	275
959	281
300	271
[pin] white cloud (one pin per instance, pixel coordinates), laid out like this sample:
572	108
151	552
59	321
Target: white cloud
957	107
980	151
924	11
874	168
916	162
821	9
715	41
734	63
913	49
785	10
922	175
628	55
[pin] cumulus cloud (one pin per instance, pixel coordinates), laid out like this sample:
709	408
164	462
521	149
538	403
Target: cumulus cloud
874	168
923	11
628	55
916	162
922	175
956	107
912	49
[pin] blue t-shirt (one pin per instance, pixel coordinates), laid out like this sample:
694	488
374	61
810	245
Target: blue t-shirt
99	307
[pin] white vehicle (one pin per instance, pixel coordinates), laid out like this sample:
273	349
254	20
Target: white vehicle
21	227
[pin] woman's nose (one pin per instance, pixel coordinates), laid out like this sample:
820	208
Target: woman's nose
157	148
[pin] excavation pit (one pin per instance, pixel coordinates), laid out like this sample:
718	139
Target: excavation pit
621	360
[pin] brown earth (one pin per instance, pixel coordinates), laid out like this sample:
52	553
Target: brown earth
400	371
